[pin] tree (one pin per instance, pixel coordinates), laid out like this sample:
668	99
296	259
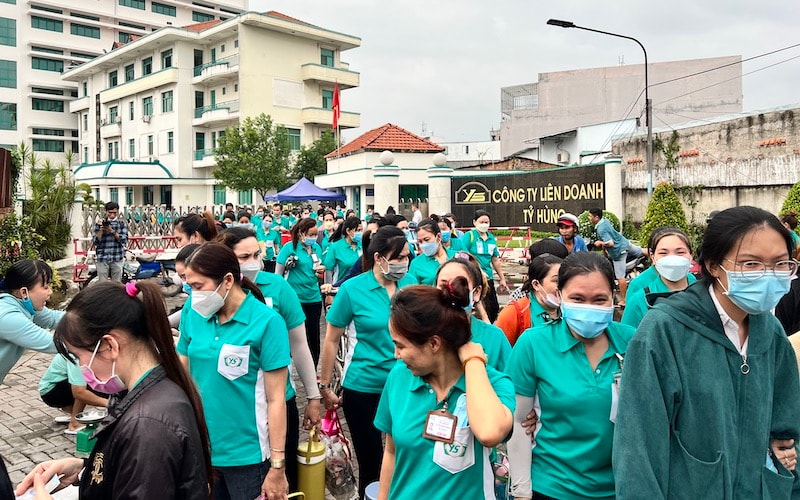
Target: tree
792	201
254	155
664	209
311	160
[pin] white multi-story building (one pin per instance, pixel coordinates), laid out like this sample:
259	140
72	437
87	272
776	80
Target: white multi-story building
150	112
41	39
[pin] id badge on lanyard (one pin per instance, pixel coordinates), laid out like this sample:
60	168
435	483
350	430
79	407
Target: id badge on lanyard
440	425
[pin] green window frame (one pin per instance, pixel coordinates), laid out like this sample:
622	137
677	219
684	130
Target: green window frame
48	145
124	37
246	197
170	142
326	57
12	2
167	10
46	64
293	135
129	195
129	73
84	30
131	148
147	195
219	194
113	114
8	116
38	104
166	59
133	4
48	131
166	101
147	66
47	24
201	17
131	110
85	16
43	90
147	106
327	99
113	194
8	74
150	148
8	31
86	154
113	79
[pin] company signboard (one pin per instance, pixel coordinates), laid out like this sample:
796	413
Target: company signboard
534	199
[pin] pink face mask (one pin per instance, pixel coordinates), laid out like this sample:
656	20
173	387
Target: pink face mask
113	385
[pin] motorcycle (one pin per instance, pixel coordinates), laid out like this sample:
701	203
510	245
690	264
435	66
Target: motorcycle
145	267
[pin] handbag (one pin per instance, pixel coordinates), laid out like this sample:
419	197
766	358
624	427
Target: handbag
339	477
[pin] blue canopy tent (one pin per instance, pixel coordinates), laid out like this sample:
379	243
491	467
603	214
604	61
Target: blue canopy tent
304	190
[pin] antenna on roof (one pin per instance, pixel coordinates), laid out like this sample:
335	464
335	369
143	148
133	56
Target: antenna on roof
424	129
622	60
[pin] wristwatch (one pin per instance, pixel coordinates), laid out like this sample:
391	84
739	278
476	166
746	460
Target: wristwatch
324	386
277	463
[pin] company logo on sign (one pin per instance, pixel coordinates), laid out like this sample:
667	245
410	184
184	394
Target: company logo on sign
472	193
233	361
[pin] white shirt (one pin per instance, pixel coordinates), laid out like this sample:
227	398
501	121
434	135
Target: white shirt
730	327
417	218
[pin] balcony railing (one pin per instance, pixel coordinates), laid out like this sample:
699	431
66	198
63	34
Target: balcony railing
199	154
230	106
227	62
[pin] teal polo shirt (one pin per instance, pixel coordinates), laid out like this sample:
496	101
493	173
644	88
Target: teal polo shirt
370	350
340	256
272	241
636	305
494	343
641	281
539	315
572	457
456	245
59	370
483	250
280	296
302	278
424	268
402	411
227	362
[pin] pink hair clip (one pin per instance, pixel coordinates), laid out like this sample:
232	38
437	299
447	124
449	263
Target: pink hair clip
130	288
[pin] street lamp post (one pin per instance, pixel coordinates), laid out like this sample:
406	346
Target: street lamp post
648	105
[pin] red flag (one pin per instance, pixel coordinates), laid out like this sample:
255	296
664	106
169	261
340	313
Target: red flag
335	107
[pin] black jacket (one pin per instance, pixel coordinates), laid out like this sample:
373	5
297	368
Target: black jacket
147	447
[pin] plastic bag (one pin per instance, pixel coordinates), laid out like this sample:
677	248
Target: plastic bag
339	478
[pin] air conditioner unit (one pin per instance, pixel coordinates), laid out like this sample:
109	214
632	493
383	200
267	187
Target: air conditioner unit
102	121
146	118
562	157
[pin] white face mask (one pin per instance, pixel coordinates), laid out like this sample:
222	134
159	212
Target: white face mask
483	228
207	303
250	269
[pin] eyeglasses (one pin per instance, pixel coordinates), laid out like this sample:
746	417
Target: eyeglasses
756	269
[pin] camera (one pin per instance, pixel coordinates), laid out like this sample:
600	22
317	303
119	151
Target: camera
291	262
106	222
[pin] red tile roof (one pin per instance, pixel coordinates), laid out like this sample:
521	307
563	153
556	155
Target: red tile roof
387	137
202	26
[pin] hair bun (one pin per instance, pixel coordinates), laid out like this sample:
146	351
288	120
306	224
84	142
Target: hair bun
456	293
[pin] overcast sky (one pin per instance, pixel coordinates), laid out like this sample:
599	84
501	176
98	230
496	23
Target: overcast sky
443	62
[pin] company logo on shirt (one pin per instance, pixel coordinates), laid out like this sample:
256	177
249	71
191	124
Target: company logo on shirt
455	449
233	361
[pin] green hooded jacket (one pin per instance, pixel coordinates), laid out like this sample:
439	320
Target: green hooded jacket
691	424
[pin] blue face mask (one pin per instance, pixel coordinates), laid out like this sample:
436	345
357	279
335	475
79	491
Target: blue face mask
27	304
187	289
468	308
409	235
756	295
266	224
430	248
446	236
309	240
587	320
357	236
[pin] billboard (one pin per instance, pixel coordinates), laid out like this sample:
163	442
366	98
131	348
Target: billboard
534	199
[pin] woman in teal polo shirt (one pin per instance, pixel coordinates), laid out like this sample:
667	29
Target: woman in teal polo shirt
449	239
569	368
429	237
344	250
483	245
364	301
268	234
327	228
672	258
237	350
442	376
280	296
490	337
302	274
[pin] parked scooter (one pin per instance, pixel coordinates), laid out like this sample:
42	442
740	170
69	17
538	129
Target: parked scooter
160	270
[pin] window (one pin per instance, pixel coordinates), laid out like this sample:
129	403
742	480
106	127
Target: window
131	148
236	44
48	145
166	59
166	101
84	30
113	114
47	64
170	142
8	116
199	144
327	99
8	74
46	9
222	48
47	105
147	195
130	111
167	10
46	49
224	90
147	66
82	55
8	31
236	87
48	131
85	16
112	79
129	195
326	57
219	194
147	106
124	37
294	138
129	73
200	17
113	150
85	89
113	194
43	90
43	23
85	122
245	197
86	154
134	4
150	145
12	2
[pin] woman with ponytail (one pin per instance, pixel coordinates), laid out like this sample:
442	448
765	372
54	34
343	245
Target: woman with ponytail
153	443
194	228
443	408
